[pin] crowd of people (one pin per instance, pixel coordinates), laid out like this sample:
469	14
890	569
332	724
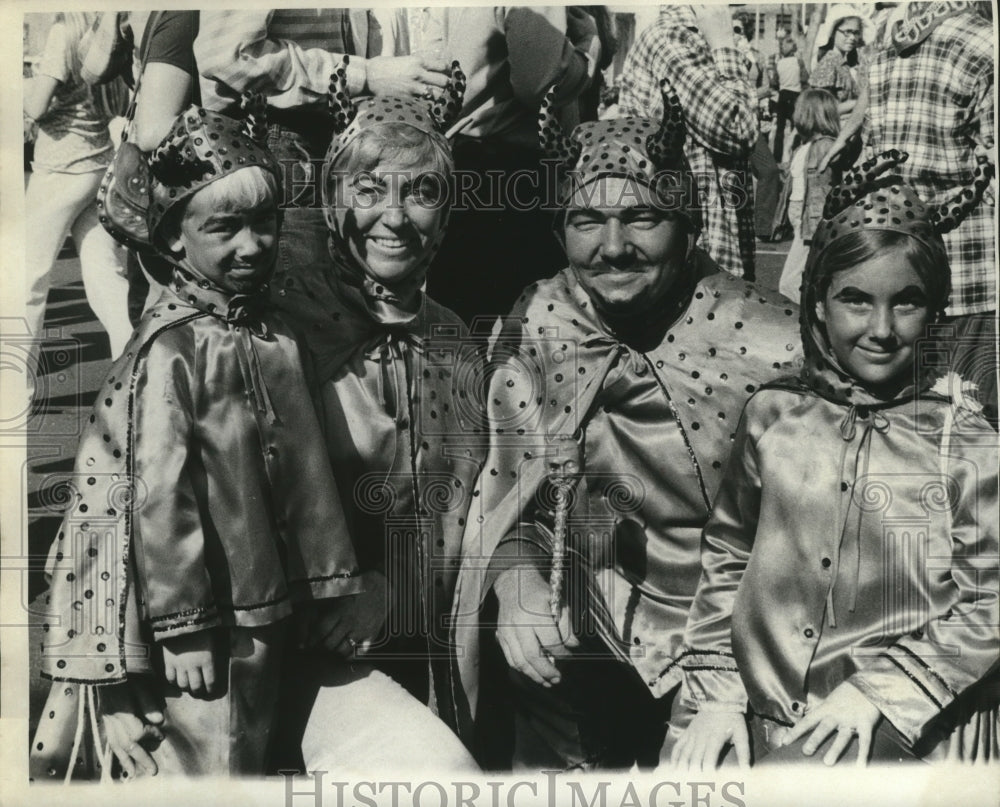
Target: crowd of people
382	479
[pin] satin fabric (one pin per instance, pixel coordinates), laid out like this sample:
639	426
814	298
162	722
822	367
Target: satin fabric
199	470
403	418
872	560
655	427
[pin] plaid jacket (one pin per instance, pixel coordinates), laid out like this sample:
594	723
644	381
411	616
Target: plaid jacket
720	110
936	102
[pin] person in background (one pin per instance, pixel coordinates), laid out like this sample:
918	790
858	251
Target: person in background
692	48
816	124
841	67
72	152
592	99
767	177
791	77
511	55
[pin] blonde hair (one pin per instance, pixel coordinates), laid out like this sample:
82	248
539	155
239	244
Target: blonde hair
243	189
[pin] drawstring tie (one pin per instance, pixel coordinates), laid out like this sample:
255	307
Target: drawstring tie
872	421
245	322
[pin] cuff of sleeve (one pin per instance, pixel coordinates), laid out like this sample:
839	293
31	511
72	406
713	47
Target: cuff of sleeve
198	619
712	683
903	693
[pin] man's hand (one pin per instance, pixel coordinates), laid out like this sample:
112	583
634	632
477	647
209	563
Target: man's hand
845	711
130	718
189	662
716	25
700	746
405	75
527	634
348	625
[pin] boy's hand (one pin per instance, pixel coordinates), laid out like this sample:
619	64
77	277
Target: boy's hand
700	747
189	662
131	719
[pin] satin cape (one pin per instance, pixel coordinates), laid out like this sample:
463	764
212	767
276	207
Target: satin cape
549	372
199	477
400	389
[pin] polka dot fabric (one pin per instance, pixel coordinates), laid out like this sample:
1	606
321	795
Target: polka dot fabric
420	113
204	146
548	370
647	151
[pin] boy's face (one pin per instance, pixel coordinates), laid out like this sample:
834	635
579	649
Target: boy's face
234	246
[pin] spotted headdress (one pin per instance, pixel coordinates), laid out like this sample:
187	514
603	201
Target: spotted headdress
202	147
647	151
431	115
874	197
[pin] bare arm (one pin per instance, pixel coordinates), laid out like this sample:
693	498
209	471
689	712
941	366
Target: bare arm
38	95
164	93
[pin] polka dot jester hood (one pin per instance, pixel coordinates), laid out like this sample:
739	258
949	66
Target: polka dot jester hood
872	197
649	152
203	146
397	302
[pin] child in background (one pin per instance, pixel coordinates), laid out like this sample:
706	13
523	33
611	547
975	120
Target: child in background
848	603
816	124
206	505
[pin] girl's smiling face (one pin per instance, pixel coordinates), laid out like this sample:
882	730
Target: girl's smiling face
874	314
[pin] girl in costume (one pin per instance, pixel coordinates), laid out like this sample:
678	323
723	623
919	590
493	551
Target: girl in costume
399	411
205	506
852	593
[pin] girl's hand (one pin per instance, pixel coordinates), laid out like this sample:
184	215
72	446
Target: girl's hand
189	662
845	711
700	747
130	718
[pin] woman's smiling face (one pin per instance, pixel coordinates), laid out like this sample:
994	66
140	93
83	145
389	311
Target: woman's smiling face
395	215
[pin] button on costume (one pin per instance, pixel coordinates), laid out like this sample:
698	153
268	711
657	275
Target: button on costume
872	559
654	412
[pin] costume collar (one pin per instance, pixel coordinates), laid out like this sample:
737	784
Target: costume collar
234	309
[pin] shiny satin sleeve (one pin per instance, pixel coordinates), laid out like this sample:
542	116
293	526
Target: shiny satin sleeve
923	672
711	679
174	584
